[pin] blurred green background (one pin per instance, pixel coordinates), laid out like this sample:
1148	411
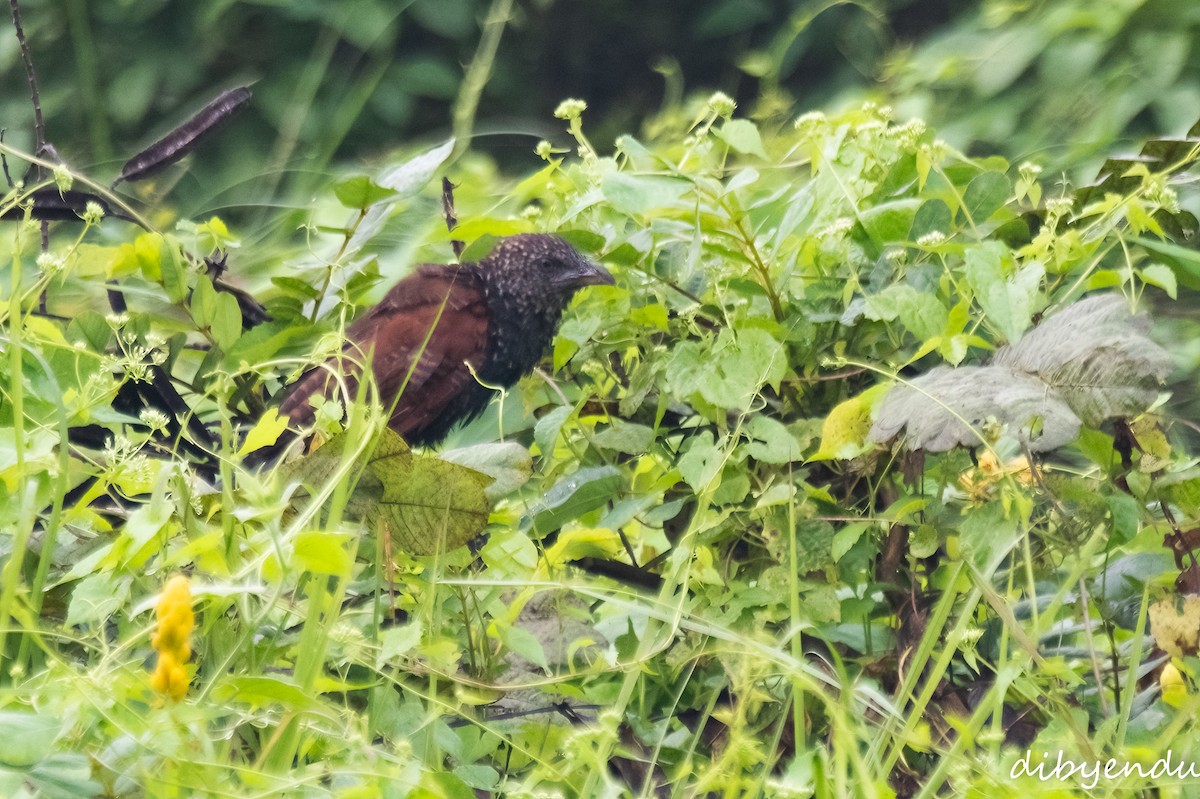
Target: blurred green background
1063	82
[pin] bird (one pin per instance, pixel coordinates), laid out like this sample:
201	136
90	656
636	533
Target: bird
443	340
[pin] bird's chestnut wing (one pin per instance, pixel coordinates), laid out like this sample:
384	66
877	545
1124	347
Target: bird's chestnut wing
418	340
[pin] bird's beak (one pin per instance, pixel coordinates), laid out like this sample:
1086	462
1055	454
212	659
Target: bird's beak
583	273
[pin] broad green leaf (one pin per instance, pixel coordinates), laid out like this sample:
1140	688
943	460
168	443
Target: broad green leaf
268	691
64	775
701	461
204	302
397	641
425	503
730	372
587	542
522	642
227	321
96	598
1161	276
1184	261
814	545
92	329
545	432
770	441
890	222
985	195
932	217
575	495
623	436
26	738
173	270
430	504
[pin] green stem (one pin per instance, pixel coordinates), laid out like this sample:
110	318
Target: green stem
478	73
10	575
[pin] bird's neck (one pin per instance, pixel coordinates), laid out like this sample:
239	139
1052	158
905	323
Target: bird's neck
520	328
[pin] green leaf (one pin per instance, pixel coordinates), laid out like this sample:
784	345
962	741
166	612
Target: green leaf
700	461
425	503
300	288
442	785
1184	261
890	222
573	496
1008	301
627	437
432	504
25	738
637	195
174	273
96	598
545	432
204	302
986	534
361	192
814	545
262	343
64	776
1161	276
932	217
730	372
770	441
523	643
844	431
985	195
397	641
264	692
742	136
325	553
226	324
91	328
1125	512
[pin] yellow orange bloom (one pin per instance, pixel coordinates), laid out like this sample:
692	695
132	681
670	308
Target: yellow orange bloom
172	639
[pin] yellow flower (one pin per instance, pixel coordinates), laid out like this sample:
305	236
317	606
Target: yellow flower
978	482
172	640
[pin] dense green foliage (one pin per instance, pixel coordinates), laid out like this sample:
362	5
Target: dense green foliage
809	606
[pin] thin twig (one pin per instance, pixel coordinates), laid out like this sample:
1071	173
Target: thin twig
39	124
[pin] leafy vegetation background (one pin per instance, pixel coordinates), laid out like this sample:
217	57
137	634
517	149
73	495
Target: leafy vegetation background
881	189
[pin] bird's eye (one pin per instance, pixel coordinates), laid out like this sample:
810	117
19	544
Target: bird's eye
547	264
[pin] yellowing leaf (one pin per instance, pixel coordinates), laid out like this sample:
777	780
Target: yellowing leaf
844	433
265	433
596	542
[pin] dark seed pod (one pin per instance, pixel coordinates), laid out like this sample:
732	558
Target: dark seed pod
183	139
52	205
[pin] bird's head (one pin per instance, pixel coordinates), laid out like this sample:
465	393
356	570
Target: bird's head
539	273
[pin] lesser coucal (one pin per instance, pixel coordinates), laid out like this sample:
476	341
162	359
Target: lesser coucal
442	335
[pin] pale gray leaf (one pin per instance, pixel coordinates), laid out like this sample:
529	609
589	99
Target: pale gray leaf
508	464
1096	355
946	408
